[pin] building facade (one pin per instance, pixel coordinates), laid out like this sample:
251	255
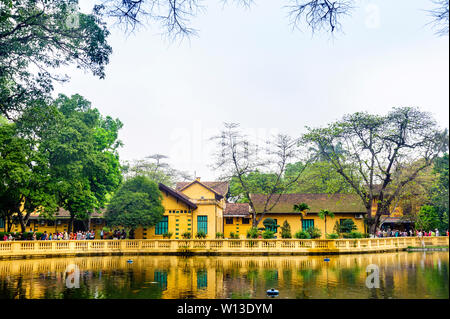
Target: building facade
199	206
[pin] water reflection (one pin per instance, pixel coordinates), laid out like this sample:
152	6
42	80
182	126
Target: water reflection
402	275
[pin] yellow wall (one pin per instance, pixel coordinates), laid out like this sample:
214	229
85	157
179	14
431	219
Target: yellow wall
294	221
181	219
237	227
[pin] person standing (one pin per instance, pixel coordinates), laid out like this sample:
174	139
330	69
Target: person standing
101	234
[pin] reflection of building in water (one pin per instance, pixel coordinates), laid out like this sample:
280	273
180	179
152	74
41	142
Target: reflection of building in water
402	275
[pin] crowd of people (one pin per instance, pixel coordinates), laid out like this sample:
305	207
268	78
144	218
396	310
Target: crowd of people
408	233
79	235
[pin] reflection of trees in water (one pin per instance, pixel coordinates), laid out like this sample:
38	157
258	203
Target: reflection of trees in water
401	275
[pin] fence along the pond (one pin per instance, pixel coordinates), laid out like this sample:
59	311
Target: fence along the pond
61	247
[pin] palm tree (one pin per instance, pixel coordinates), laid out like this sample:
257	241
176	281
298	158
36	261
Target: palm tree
302	208
323	214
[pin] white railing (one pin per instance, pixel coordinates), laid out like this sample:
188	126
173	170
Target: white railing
21	248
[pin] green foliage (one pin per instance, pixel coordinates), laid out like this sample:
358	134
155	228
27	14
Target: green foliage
137	203
324	213
353	234
301	207
286	230
314	232
268	234
366	142
219	235
233	235
253	233
428	218
39	35
439	192
270	224
318	177
200	234
302	234
257	183
332	236
167	235
347	226
186	235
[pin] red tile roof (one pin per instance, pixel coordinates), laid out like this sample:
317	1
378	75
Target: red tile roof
336	203
220	187
236	209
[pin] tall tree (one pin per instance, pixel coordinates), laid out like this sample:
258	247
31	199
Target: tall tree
137	203
155	168
38	36
238	159
324	213
439	192
377	148
25	184
80	146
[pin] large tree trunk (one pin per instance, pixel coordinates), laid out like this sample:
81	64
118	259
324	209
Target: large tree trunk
8	223
70	226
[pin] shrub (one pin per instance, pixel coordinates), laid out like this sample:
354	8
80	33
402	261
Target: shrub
253	232
268	234
167	235
314	232
302	234
353	234
234	236
200	234
332	236
186	235
347	226
286	230
219	235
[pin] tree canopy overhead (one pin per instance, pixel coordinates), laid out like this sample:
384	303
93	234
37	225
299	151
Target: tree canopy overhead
175	16
39	36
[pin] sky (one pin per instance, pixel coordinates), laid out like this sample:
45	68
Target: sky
249	66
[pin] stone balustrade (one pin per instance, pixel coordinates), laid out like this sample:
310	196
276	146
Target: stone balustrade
10	249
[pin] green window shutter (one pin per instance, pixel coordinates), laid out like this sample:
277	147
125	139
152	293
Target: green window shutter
162	226
202	224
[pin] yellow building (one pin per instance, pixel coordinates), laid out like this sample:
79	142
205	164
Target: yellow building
196	206
236	219
190	207
344	206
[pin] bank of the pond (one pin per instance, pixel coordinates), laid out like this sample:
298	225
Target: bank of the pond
216	247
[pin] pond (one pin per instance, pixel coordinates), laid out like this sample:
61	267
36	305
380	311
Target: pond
401	275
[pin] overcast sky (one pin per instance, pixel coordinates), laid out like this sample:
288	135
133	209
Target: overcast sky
250	67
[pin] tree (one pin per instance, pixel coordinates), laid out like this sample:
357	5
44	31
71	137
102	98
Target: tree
377	149
318	178
428	218
347	226
154	168
286	230
37	36
302	208
80	147
324	213
237	158
175	16
439	191
137	203
25	184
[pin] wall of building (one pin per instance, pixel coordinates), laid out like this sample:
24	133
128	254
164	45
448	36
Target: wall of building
236	227
295	222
